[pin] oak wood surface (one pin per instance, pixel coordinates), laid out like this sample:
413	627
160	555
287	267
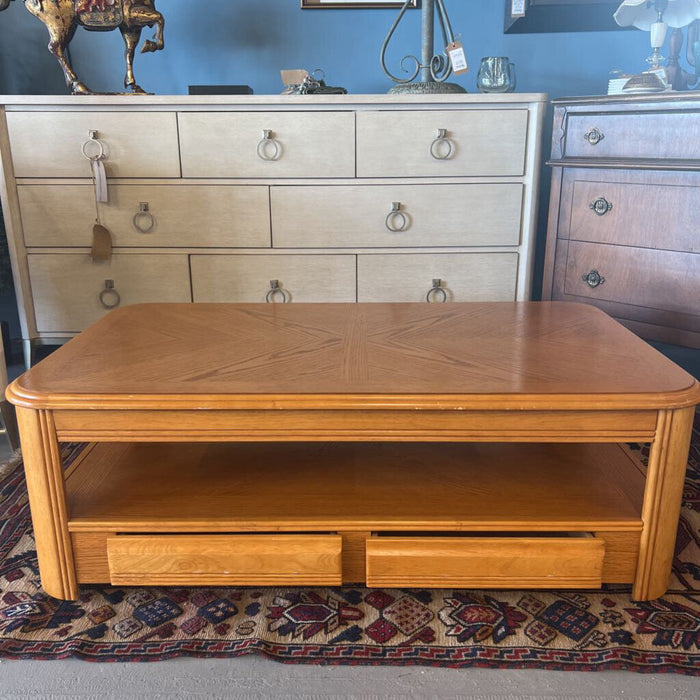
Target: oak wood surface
326	486
538	355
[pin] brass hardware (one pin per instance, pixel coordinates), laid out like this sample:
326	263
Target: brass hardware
395	214
594	136
601	206
94	141
436	150
437	288
276	288
143	219
106	293
593	279
265	143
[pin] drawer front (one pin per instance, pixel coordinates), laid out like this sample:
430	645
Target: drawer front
302	144
638	276
483	142
629	135
645	216
66	288
428	215
220	560
485	562
49	144
192	216
463	277
248	278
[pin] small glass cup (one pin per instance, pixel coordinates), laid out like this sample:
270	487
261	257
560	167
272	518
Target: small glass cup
496	74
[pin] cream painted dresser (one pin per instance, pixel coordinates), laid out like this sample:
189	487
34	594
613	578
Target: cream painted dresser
267	198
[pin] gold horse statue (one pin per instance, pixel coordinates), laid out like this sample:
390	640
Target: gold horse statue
63	17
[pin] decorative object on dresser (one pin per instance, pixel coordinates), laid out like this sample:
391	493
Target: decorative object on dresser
63	17
434	69
623	227
215	198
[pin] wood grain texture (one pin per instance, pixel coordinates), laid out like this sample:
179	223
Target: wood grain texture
355	487
499	562
491	356
220	560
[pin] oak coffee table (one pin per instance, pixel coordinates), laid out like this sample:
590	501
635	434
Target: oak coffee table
410	445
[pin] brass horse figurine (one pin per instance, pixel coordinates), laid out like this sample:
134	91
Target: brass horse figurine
63	17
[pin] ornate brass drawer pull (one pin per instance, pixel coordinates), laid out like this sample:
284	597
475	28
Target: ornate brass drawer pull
143	219
593	279
396	215
594	136
268	143
275	289
436	290
437	149
601	206
109	296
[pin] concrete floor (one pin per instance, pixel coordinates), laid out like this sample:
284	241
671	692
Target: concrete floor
256	677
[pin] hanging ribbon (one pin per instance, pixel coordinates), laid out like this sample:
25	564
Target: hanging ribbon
99	177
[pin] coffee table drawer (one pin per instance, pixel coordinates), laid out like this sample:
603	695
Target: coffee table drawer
216	560
485	562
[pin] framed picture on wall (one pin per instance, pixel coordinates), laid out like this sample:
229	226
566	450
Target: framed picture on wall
540	16
344	4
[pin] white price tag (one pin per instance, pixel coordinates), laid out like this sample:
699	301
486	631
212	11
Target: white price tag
517	8
458	58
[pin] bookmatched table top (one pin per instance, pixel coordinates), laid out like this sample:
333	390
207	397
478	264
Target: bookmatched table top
526	355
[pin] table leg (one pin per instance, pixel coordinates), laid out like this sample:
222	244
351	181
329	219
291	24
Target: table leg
47	500
662	502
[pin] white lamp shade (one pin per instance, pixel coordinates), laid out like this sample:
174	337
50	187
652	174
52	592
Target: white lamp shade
641	14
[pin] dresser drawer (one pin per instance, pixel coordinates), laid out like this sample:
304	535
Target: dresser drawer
642	135
308	144
485	562
463	277
66	288
402	143
49	144
224	560
250	278
639	276
642	215
428	215
197	216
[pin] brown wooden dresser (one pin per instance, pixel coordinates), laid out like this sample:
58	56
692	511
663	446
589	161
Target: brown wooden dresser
624	216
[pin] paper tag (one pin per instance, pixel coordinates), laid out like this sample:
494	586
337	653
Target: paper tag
294	77
457	57
517	8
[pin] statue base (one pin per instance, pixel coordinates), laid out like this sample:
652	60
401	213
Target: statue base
430	88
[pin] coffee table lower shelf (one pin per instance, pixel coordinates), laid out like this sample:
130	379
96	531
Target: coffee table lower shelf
474	515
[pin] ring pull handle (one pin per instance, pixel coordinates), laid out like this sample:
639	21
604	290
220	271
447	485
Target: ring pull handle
269	148
594	136
93	148
109	296
437	147
275	288
601	206
143	219
437	290
396	216
593	279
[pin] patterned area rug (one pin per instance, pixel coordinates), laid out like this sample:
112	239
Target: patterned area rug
560	630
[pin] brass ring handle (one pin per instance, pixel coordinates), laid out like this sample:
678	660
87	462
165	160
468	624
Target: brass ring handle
106	293
594	136
593	279
275	288
93	140
266	142
143	219
394	214
435	146
437	288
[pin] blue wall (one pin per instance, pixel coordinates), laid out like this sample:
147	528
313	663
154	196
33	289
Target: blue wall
248	41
